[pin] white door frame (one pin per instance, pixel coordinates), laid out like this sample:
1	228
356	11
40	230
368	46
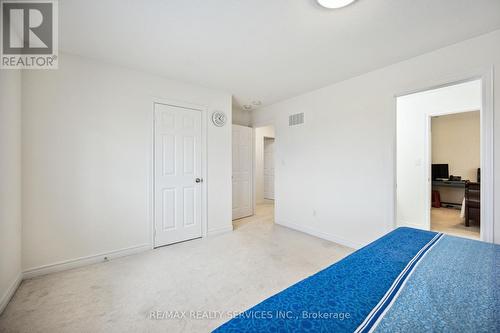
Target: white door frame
487	148
204	163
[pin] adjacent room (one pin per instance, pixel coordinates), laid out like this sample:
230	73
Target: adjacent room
249	166
456	173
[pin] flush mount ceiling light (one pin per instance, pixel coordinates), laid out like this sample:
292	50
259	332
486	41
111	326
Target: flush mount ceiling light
333	4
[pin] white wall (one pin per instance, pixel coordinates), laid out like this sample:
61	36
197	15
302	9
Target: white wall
413	162
241	117
456	140
87	140
260	134
341	163
10	184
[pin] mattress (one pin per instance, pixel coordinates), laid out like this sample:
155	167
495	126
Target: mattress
407	281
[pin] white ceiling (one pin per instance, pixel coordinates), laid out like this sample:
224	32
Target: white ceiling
266	50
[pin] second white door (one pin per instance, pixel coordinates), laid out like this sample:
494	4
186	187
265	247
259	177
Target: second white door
178	174
242	171
269	168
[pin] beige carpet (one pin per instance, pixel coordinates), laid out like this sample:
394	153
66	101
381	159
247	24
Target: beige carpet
230	272
448	220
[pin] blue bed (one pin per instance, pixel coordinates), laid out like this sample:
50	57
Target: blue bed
407	281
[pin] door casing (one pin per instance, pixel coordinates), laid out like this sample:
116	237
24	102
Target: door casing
486	76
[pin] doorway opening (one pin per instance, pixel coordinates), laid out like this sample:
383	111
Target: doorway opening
444	166
455	174
263	180
264	171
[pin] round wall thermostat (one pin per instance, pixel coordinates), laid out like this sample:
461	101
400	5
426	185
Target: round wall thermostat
219	118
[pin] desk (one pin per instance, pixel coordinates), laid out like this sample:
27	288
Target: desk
449	183
458	185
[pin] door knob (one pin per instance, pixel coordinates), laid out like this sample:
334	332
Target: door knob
199	180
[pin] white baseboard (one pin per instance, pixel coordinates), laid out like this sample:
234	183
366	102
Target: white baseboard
220	230
7	296
83	261
321	234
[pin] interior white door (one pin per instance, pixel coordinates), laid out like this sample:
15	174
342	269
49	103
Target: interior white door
242	171
269	168
178	174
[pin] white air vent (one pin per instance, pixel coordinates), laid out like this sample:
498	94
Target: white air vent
296	119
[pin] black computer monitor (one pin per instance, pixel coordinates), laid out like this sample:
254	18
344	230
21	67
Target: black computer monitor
440	171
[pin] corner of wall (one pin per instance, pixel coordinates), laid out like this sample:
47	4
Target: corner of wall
10	191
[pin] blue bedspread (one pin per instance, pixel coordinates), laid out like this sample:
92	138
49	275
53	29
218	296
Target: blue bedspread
407	281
